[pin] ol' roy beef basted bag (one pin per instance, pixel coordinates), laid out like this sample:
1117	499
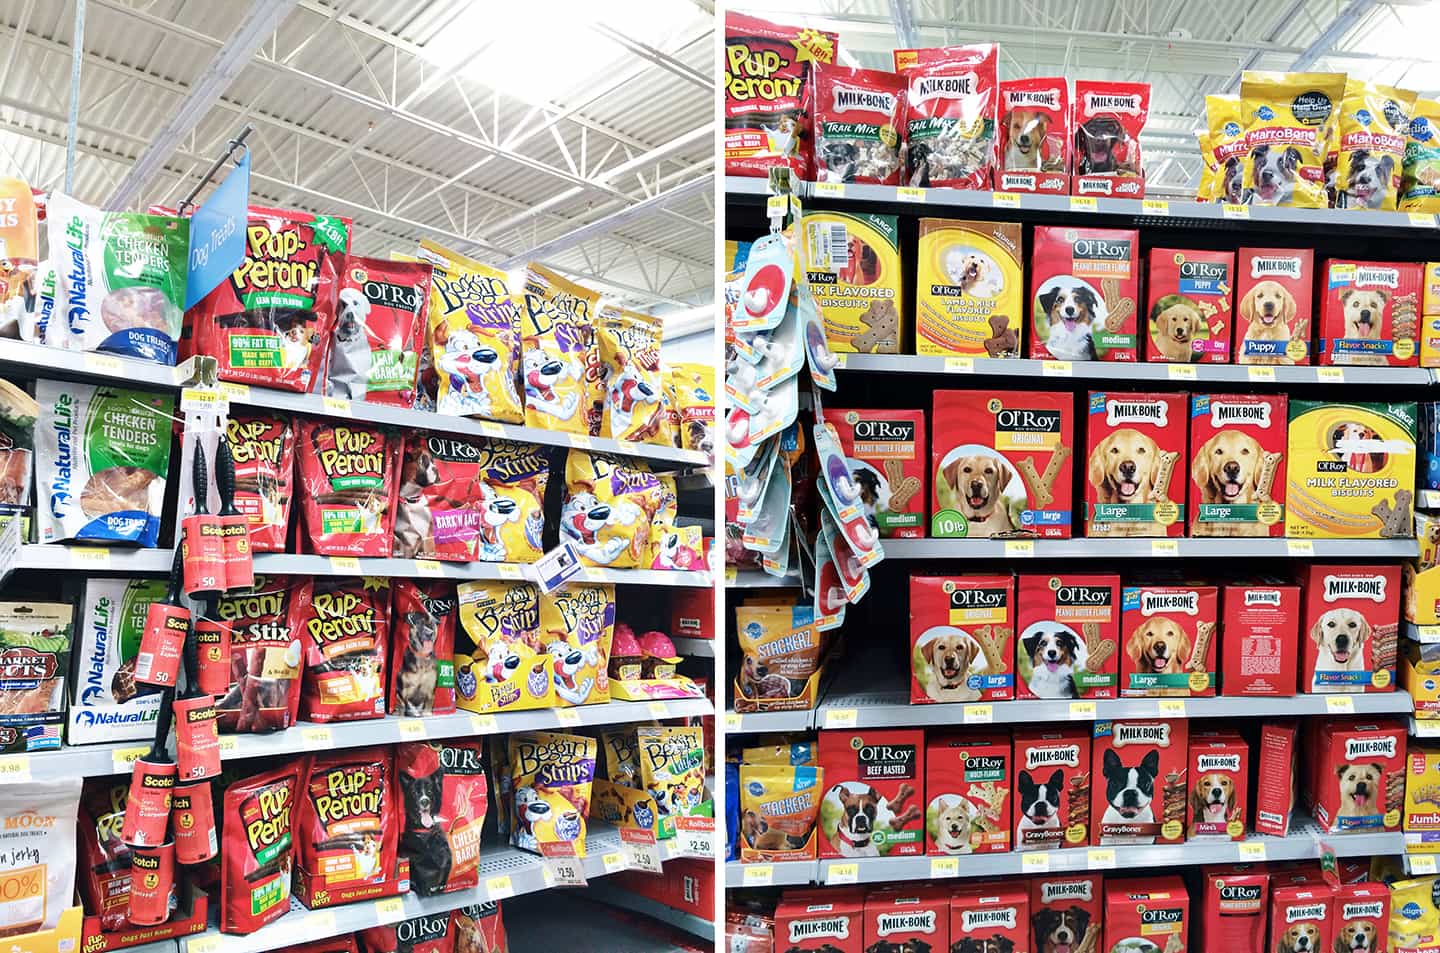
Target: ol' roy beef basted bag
344	631
256	841
265	654
438	513
347	820
444	798
348	487
422	647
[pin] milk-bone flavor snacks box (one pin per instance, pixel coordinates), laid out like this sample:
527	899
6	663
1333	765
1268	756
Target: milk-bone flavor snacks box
1351	470
1357	774
852	262
886	450
1352	627
1261	648
1069	626
1274	305
1085	294
874	802
1237	464
969	289
1370	313
769	92
1000	464
1189	305
960	632
1135	466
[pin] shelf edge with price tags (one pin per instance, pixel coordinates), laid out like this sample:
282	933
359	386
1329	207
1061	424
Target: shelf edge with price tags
563	866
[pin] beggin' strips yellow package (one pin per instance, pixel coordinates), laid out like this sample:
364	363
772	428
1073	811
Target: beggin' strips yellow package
550	776
1285	117
577	623
778	808
622	755
609	506
675	547
556	319
473	338
514	476
1374	122
634	403
672	771
499	662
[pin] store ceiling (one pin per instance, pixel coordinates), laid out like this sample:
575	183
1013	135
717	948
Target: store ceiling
1183	48
498	130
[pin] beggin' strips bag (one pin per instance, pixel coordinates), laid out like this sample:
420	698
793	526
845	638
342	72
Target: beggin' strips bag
346	822
1374	122
1228	150
263	448
551	775
555	320
634	405
379	330
1420	180
256	842
577	623
265	654
769	89
473	337
345	632
348	487
444	800
500	664
672	769
609	505
513	477
622	756
694	386
951	108
422	648
779	805
1286	116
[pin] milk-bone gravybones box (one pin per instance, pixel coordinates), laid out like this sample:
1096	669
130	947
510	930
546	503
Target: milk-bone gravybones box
886	450
1085	294
1139	781
1052	787
1136	463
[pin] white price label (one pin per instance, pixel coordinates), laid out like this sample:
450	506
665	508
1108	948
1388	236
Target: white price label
1057	369
412	729
907	194
1172	707
1083	203
484	724
14	768
581	441
345	565
842	874
1260	373
1082	711
1181	372
229	746
429	567
695	837
239	393
510	572
1330	375
205	943
203	400
390	910
1164	547
1232	210
1422	220
568	717
959	365
1019	548
1100	858
834	190
659	710
639	856
1005	199
89	557
1253	850
489	428
338	406
1155	207
733	721
1303	548
123	759
103	364
841	717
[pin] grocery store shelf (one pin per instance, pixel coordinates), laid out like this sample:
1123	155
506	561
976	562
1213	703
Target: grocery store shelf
606	892
1129	374
755	579
790	873
108	759
770	721
695	648
1427	499
1131	548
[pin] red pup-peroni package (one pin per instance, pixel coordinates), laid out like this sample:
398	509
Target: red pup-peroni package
348	487
768	91
265	654
263	448
344	633
256	828
345	825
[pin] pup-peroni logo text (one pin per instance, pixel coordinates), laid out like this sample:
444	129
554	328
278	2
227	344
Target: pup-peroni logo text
252	440
347	792
751	74
278	260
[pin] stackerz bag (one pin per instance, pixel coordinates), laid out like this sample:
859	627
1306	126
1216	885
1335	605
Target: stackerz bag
857	125
779	805
1287	118
768	94
1109	118
950	114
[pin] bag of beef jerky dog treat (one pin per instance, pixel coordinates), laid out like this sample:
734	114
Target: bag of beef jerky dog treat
379	330
265	654
38	818
346	822
512	484
263	448
107	704
35	639
422	648
445	796
439	512
344	631
257	839
103	858
348	487
102	454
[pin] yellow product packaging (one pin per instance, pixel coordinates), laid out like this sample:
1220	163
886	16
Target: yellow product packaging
1420	676
672	404
634	402
779	805
577	622
499	664
609	506
968	288
1285	117
1227	149
513	480
626	807
473	338
672	768
852	261
798	753
622	757
676	547
1420	173
1427	534
694	401
558	356
1430	316
1205	191
1350	470
1370	145
779	657
1414	916
551	775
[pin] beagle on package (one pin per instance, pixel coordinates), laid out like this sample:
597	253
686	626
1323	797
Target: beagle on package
556	339
1288	118
950	113
1109	119
1350	470
1219	782
1352	626
960	633
1237	464
550	777
1034	136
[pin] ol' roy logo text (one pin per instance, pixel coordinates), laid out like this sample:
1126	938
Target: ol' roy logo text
1366	910
1240	893
837	928
1054	756
898	431
977	598
1212	270
872	100
1099	249
399	297
1358	749
1371	588
1032	99
921	921
1158	735
1010	420
1111	103
1054	892
1163	915
878	762
1156	412
1153	602
951	87
1262	597
1225	414
1082	596
1275	267
1308	911
1218	762
1001	918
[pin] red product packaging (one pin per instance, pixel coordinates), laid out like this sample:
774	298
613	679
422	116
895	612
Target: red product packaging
345	634
197	738
193	818
768	93
912	918
1170	642
1069	631
857	125
348	484
427	933
157	661
479	928
263	448
1234	902
1237	464
692	613
1153	913
875	802
265	654
1052	788
1351	625
1135	471
103	862
1108	120
951	107
379	330
1362	918
1274	305
441	506
1066	911
961	628
212	646
422	648
147	807
886	449
990	917
346	825
1189	305
1219	802
1358	779
1034	136
152	883
255	850
821	921
1275	780
1301	917
1261	648
1142	764
270	321
1370	313
968	783
1085	294
444	795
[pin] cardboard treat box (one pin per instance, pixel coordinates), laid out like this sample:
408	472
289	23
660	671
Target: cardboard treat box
968	783
1352	627
1084	294
1362	917
1350	470
1274	305
1430	317
1260	647
1170	643
1141	764
1301	917
1150	914
1237	464
821	921
886	449
1370	313
961	633
1066	910
1234	902
1135	464
1052	787
969	288
1188	302
913	918
852	262
1069	627
875	793
1000	464
1275	780
1358	775
990	917
1218	804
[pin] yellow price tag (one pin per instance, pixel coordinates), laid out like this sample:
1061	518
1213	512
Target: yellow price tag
1231	210
429	567
841	717
944	866
1155	207
1164	547
1056	369
759	875
339	406
348	565
614	862
199	398
1330	375
1083	203
1422	220
1251	850
123	759
959	365
489	428
229	746
834	190
15	767
318	924
1035	862
205	943
1005	200
659	710
1259	373
1019	548
89	557
390	910
1303	548
510	571
103	364
568	717
412	729
978	714
776	205
1181	372
908	194
1172	707
499	888
317	737
1100	858
484	724
240	393
732	721
1082	711
581	441
843	874
1421	863
1340	704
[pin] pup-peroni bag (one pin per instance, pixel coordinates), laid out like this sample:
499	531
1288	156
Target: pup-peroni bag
577	623
1228	149
857	125
695	405
345	632
1373	127
634	407
348	487
500	664
1108	119
1420	179
474	338
444	797
950	113
555	320
422	648
513	477
263	448
551	774
609	505
379	330
265	654
256	841
1285	117
347	822
768	93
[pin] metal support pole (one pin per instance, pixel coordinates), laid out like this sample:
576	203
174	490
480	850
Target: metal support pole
235	145
77	57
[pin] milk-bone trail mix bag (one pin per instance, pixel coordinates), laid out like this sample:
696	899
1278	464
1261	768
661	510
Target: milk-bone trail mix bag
857	125
1109	118
950	113
348	488
379	330
270	322
768	93
257	840
263	448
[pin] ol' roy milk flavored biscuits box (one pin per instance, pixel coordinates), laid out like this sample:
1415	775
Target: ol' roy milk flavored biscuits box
1069	626
1350	470
1135	465
1351	628
886	450
1274	305
874	805
1370	313
1237	464
852	261
1085	294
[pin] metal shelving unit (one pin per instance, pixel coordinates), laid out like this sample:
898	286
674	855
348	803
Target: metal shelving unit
607	893
1131	548
695	648
770	721
791	873
754	579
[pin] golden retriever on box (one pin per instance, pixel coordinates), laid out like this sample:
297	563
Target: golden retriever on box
1237	464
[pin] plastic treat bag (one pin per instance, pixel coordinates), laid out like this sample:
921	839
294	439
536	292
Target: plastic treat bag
857	125
347	819
1286	116
256	829
511	487
609	506
769	88
18	254
263	448
1227	150
1108	120
551	774
438	512
1372	131
345	632
379	330
1420	180
39	819
951	106
348	487
694	386
576	625
500	663
556	319
634	402
444	797
422	648
265	654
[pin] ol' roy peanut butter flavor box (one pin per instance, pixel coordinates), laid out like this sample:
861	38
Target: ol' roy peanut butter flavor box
1000	464
1274	305
1352	626
969	296
1189	309
1135	467
1169	645
1085	294
1237	464
1370	313
1069	626
852	262
1350	470
875	799
961	627
886	450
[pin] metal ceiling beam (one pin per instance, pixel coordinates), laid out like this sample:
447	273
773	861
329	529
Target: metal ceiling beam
258	23
1343	22
905	33
661	59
